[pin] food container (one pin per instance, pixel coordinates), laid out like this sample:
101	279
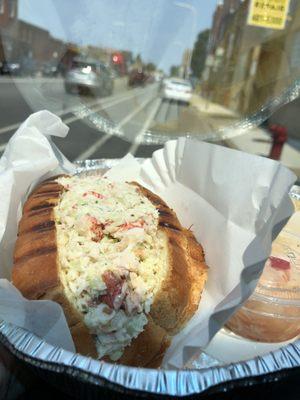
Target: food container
272	313
83	377
39	337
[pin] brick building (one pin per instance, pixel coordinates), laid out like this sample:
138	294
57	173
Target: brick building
8	15
32	46
247	66
8	12
35	42
20	40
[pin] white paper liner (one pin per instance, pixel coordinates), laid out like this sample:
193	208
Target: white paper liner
233	210
234	202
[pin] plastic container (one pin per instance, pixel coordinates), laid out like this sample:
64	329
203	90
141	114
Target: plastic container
272	313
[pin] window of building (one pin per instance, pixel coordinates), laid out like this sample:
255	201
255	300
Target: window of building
1	6
295	50
12	8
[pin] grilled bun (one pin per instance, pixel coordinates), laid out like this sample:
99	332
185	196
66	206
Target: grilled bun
115	257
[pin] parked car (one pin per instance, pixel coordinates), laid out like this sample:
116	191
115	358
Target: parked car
89	75
10	68
50	69
177	89
150	79
29	67
137	77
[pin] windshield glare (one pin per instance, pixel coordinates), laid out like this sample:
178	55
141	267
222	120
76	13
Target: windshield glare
220	71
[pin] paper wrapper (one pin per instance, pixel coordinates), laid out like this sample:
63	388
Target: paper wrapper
235	203
30	156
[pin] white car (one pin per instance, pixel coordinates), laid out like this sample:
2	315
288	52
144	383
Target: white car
177	89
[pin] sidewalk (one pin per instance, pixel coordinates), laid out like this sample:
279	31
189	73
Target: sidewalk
254	140
211	109
257	141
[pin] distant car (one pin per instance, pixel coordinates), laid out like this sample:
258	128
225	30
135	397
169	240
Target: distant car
177	89
150	79
50	69
158	77
137	77
29	67
89	75
10	68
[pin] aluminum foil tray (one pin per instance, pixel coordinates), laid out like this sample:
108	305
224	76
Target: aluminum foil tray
84	377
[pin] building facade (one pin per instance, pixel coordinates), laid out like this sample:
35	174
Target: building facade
8	16
21	41
32	46
247	66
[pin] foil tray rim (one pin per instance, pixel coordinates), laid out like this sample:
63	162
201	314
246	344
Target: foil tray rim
29	348
34	350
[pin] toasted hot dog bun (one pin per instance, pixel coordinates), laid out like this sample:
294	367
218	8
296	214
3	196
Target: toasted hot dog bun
40	272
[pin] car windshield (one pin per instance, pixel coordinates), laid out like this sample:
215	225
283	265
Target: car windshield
184	93
127	76
180	83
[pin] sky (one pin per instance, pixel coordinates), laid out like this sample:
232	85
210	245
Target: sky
159	30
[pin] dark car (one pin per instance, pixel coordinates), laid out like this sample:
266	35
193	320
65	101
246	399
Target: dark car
137	77
10	68
89	75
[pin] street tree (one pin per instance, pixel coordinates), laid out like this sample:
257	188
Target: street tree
174	70
150	67
138	60
199	53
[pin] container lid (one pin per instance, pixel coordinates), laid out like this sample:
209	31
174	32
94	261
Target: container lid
281	276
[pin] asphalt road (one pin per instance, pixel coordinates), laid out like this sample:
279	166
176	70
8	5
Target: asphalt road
106	127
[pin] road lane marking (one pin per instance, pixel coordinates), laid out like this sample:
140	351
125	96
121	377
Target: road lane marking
112	100
133	113
29	80
162	115
76	108
99	103
83	113
15	126
95	146
169	110
137	141
10	127
2	147
175	110
109	103
92	149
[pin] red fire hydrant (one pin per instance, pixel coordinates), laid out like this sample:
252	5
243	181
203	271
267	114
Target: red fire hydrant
279	136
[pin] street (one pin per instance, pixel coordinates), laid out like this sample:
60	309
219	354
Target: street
106	127
136	120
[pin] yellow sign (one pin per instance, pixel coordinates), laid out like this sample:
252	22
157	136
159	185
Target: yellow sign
268	13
